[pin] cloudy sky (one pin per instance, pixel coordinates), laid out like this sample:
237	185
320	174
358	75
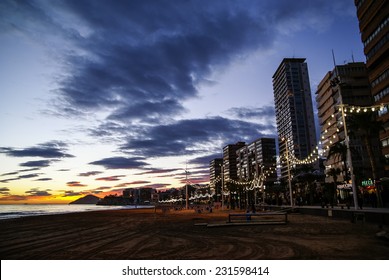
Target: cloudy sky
97	96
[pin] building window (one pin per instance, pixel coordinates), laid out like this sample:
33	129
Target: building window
382	77
378	46
377	31
381	94
385	142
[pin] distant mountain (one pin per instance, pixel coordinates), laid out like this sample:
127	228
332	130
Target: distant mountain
88	199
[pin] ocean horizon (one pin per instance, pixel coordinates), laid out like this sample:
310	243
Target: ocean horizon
13	211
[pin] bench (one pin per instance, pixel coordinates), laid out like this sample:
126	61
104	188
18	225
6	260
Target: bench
342	205
262	218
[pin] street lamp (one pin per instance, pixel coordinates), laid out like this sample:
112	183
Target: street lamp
264	195
288	167
336	82
222	179
186	190
349	158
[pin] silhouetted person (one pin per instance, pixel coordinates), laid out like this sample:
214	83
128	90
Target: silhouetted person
360	201
253	208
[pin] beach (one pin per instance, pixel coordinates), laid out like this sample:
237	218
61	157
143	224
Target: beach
148	234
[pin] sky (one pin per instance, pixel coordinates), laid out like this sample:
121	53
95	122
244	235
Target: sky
99	96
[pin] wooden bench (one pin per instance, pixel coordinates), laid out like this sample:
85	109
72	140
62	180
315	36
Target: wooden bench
247	217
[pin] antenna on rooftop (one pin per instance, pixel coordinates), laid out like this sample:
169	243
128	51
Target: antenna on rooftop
333	57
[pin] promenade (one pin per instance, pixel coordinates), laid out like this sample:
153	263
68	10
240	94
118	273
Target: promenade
378	216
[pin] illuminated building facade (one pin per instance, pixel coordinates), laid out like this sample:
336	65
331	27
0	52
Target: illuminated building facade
373	19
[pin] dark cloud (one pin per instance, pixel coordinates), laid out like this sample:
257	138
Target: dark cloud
147	111
111	178
10	173
29	169
26	176
72	193
54	149
103	188
36	163
137	182
44	179
108	129
4	191
13	198
157	185
147	59
7	180
121	187
158	171
75	184
188	137
37	192
90	173
21	176
126	184
121	163
148	76
265	113
205	160
140	182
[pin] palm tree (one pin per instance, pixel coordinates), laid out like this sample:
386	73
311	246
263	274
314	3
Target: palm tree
306	175
339	151
367	127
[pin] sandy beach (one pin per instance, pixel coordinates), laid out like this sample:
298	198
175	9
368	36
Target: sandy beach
145	234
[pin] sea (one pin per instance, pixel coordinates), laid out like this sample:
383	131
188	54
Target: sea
12	211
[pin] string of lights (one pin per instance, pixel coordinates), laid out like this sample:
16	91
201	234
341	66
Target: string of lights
328	137
330	134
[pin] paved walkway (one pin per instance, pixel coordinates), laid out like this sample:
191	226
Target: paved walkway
364	209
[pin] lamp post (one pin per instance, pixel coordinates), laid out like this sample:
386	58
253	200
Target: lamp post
222	178
337	83
186	190
262	184
349	158
288	167
264	195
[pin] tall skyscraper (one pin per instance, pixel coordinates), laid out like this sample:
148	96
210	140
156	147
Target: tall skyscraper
294	110
373	19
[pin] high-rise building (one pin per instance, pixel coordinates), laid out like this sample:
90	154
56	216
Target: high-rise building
257	158
345	84
215	170
373	19
294	110
229	161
